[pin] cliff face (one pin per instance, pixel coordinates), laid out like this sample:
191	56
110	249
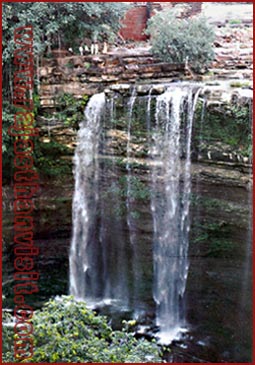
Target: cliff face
222	137
89	75
221	180
221	148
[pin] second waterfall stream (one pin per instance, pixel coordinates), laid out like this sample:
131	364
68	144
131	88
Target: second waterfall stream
107	259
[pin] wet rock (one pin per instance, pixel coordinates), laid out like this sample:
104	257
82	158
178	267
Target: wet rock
121	88
158	89
143	89
242	96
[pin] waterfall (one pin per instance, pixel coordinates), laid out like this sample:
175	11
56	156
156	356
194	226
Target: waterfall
100	253
85	200
128	167
148	111
129	203
203	113
170	206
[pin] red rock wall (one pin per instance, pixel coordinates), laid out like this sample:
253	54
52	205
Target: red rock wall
134	24
135	20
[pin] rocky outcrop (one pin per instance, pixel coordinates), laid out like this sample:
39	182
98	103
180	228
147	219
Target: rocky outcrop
134	64
220	191
233	52
88	75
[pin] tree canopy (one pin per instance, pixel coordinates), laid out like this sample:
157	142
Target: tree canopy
58	24
55	26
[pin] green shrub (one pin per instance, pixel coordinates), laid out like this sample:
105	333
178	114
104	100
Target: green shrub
174	40
235	21
65	330
240	84
48	159
7	335
70	110
229	124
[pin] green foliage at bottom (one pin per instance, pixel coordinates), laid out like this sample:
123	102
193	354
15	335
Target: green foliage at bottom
7	334
65	330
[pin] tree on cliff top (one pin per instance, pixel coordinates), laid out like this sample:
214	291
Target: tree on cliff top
57	24
178	40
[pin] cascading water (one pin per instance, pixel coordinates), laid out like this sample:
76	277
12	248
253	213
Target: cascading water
170	207
100	266
85	200
129	202
128	168
148	111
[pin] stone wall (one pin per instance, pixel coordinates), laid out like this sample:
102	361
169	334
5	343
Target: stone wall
134	24
233	52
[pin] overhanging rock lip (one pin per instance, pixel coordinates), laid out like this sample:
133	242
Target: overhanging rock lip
149	88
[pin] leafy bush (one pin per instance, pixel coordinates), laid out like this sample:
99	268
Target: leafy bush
67	331
70	110
48	161
174	39
60	24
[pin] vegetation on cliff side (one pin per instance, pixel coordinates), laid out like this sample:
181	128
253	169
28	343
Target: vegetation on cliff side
67	25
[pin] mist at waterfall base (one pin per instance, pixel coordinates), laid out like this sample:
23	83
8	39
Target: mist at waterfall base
133	269
91	262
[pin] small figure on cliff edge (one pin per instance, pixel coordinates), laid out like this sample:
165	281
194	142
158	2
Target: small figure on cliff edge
81	50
